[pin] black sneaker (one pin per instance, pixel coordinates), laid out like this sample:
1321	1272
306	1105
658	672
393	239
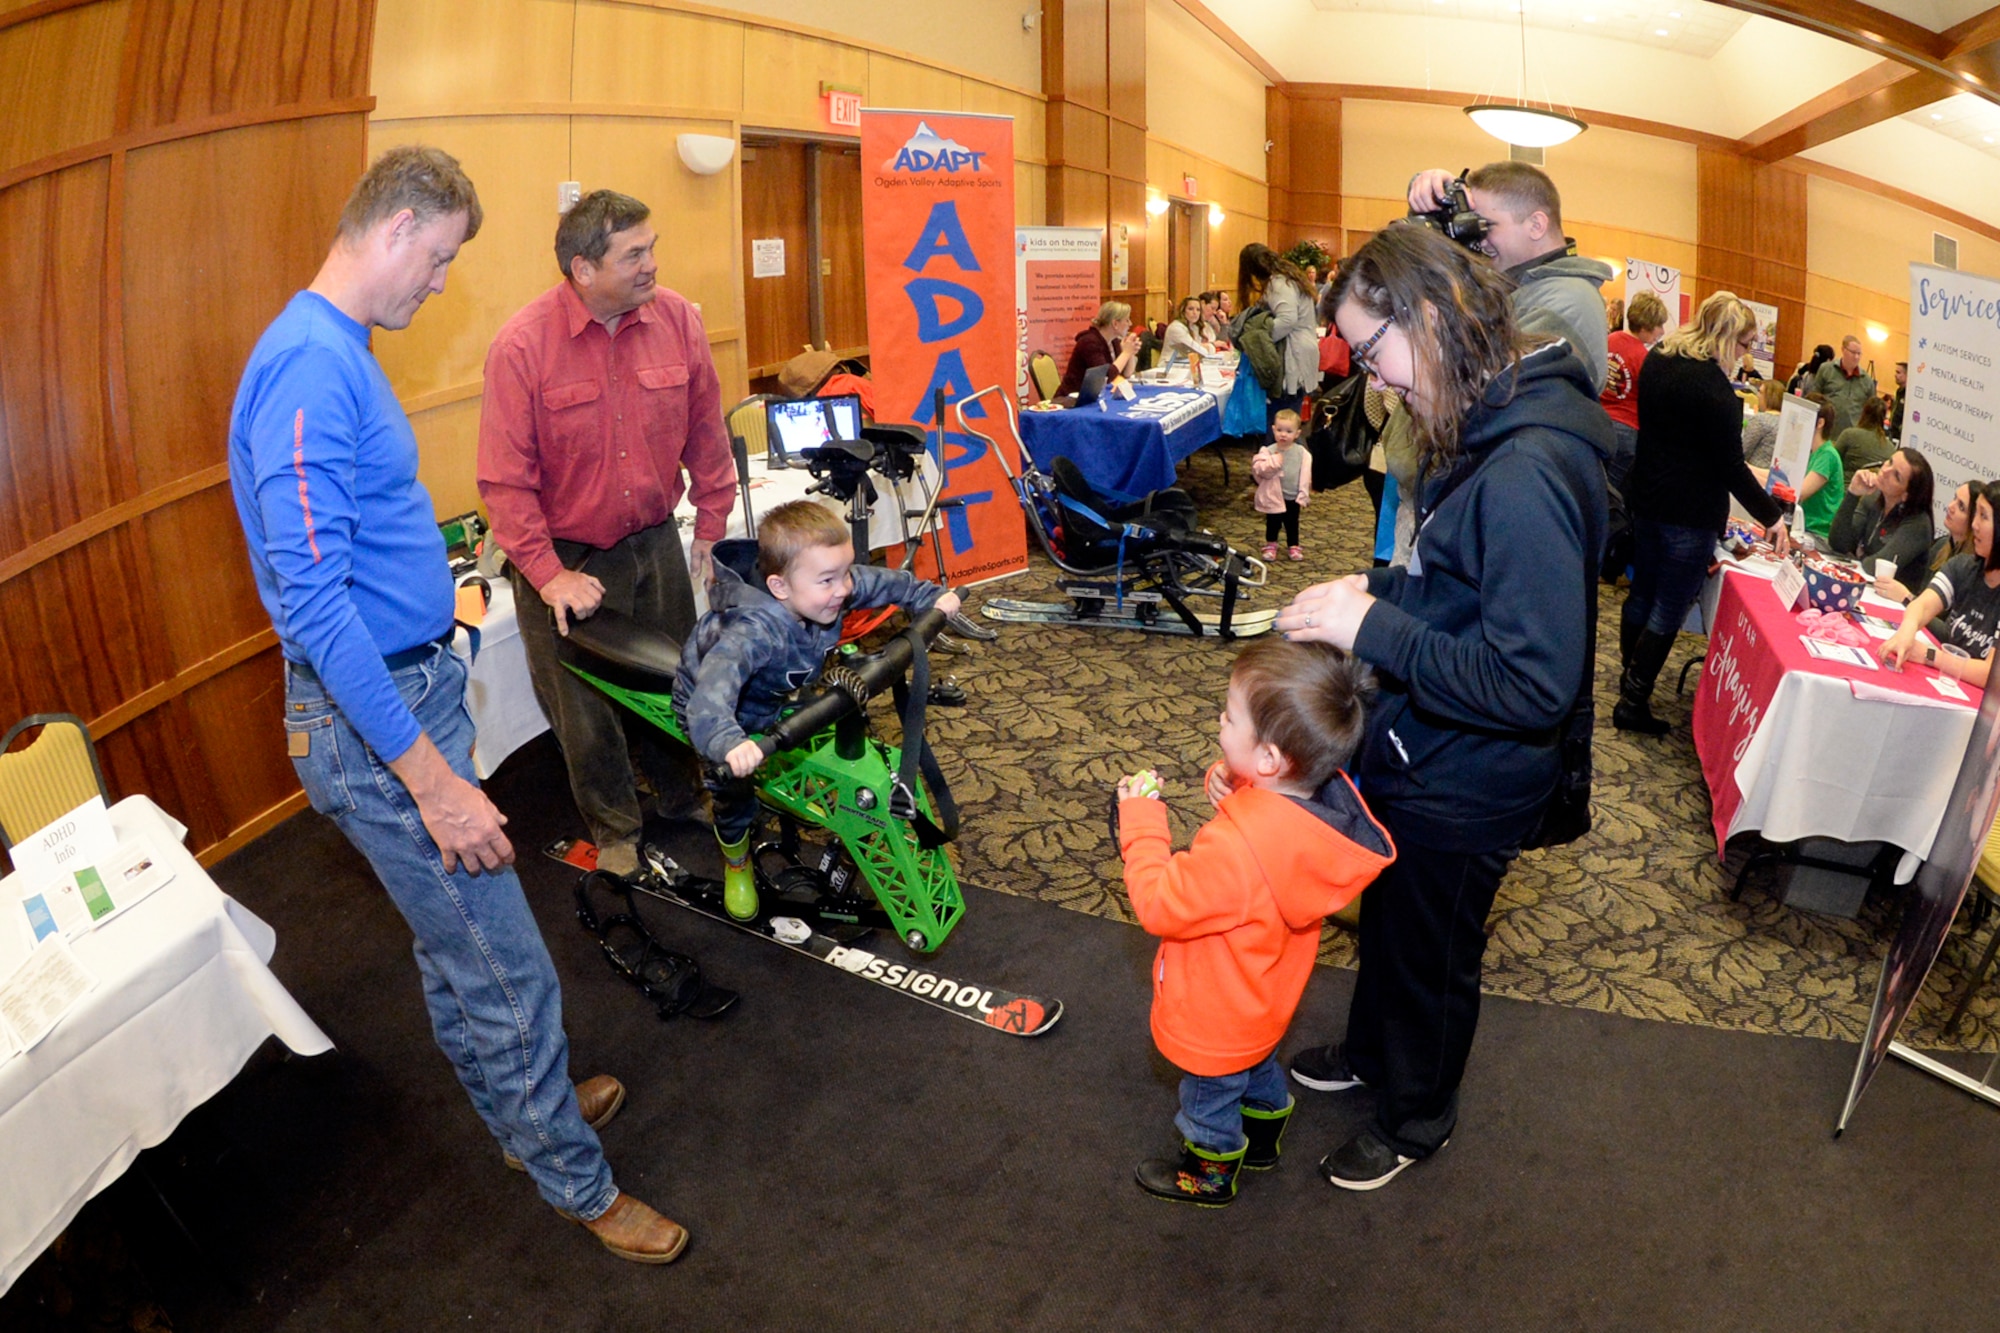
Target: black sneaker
1364	1162
1324	1069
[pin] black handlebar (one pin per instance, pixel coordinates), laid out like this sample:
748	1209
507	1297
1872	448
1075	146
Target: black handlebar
873	674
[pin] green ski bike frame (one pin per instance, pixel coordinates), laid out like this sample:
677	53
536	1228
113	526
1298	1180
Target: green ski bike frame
824	771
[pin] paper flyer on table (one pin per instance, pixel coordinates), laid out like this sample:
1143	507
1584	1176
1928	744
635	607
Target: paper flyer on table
75	901
40	991
1840	652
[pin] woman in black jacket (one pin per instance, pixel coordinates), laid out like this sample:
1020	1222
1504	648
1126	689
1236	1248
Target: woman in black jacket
1481	647
1690	461
1886	515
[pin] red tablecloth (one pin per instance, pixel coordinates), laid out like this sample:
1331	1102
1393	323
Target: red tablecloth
1753	643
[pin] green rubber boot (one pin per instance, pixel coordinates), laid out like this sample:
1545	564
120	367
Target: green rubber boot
1266	1132
739	883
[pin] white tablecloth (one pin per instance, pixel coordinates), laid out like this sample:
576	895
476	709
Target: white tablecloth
1825	764
183	999
499	694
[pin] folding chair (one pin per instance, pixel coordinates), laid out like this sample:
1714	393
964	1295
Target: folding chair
1042	371
47	778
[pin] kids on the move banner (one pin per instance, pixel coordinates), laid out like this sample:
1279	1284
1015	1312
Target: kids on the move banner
1951	407
937	229
1058	276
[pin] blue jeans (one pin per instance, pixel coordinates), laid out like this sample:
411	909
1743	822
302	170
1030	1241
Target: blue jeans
1669	566
1211	1115
495	1005
1624	448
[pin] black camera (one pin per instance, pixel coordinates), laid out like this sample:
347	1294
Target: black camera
1456	217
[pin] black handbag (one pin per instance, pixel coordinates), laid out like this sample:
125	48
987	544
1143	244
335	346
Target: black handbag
1341	440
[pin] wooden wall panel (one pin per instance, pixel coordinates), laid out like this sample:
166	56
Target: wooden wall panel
845	286
441	55
643	57
908	85
731	369
1031	194
78	626
448	453
59	80
55	430
193	209
1126	154
787	70
133	282
1725	221
1751	239
1084	69
1030	118
1079	137
246	764
195	58
1125	60
693	214
775	310
204	598
515	162
159	754
1126	204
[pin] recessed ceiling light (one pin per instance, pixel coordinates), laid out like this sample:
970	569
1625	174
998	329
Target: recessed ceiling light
1987	139
1673	13
1936	116
1590	18
1661	32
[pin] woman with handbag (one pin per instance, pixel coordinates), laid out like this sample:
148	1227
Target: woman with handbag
1482	647
1265	277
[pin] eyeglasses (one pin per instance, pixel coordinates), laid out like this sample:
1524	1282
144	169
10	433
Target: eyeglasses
1358	354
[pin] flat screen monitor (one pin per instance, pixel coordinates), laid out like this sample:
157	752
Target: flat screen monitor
806	423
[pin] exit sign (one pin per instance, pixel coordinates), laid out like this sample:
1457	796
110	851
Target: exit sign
843	106
1190	187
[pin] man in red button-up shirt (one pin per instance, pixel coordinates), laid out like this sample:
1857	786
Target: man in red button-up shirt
598	394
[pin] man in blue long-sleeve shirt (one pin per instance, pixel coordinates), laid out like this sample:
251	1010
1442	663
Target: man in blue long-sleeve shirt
351	567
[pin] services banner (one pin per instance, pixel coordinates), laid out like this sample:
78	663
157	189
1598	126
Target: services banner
1951	407
1058	273
1949	416
937	230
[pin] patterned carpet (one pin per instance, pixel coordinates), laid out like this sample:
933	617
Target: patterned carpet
1633	919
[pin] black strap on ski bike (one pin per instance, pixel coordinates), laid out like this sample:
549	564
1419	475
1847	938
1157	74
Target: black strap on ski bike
912	698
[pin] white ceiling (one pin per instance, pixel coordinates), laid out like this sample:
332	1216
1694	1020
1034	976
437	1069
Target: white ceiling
1973	121
1690	27
1937	15
1717	70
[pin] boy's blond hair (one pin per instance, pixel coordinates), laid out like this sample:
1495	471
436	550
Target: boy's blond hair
1306	699
1286	415
791	529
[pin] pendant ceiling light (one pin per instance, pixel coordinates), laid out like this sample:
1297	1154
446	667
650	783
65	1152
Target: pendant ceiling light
1519	122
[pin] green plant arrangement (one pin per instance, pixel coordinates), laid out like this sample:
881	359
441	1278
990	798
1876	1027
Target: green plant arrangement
1311	254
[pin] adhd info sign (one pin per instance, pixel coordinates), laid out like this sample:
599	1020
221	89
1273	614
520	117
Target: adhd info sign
937	224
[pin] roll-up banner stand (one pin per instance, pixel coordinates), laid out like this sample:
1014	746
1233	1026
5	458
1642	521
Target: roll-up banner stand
937	226
1950	410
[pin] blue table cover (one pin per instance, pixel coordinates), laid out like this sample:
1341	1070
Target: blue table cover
1126	449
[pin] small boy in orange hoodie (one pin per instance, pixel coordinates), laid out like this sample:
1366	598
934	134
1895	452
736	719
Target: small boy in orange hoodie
1238	914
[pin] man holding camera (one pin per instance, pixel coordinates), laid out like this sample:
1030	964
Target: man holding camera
1557	289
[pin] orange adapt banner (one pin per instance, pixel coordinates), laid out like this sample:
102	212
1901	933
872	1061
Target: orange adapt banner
937	226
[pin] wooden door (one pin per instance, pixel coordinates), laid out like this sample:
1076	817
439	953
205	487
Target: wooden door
843	290
776	310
